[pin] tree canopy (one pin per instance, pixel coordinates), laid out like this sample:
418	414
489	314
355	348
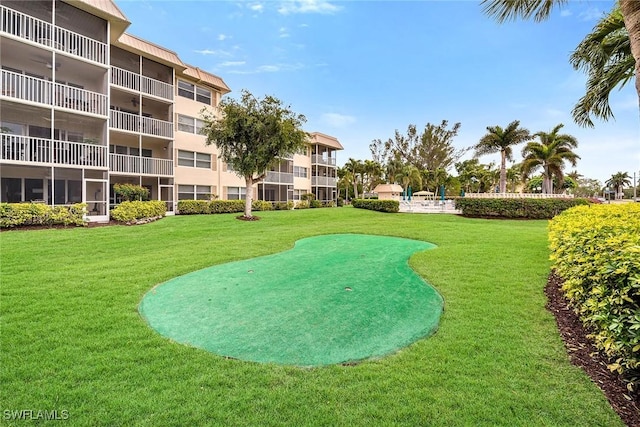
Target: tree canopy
253	134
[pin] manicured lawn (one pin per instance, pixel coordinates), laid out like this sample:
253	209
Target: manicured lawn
72	338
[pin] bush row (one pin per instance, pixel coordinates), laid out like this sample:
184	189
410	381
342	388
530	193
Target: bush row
515	208
377	205
191	207
17	214
135	210
596	251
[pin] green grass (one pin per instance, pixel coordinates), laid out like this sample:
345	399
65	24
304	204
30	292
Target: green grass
72	338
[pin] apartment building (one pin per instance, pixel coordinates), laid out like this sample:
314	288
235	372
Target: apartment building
85	105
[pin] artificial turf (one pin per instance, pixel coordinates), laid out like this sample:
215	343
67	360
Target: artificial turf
355	298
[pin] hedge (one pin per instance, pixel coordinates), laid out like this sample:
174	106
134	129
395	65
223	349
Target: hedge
377	205
19	214
515	208
195	207
136	210
596	251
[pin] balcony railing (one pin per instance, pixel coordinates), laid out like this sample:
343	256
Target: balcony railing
138	83
140	165
26	149
279	177
41	32
317	159
32	89
323	181
135	123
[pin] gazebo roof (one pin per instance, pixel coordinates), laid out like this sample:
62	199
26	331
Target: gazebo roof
388	188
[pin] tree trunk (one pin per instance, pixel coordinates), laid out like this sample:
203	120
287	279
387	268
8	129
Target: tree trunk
249	197
631	13
503	171
546	181
355	189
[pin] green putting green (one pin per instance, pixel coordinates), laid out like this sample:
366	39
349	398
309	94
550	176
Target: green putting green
331	299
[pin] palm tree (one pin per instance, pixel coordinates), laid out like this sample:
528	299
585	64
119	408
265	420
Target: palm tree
503	10
345	178
501	140
355	167
605	56
393	168
371	175
618	181
409	175
549	154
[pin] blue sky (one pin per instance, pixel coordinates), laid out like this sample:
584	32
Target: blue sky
359	70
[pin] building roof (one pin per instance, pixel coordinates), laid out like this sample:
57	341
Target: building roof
106	9
204	77
388	188
329	141
145	48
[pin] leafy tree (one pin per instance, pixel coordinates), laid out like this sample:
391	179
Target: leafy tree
372	172
410	176
549	154
602	53
587	187
514	177
345	178
392	170
430	149
618	181
252	135
476	177
499	140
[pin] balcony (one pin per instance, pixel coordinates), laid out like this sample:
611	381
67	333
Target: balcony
325	181
320	160
26	149
278	178
139	83
136	165
135	123
40	32
40	91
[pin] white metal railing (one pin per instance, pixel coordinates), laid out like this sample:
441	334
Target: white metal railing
517	196
157	88
318	159
20	148
80	99
27	88
324	180
144	84
135	123
279	177
44	33
140	165
125	78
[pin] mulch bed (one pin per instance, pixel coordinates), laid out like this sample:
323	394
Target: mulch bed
583	353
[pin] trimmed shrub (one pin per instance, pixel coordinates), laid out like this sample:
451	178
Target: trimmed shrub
260	205
515	208
329	204
340	202
135	210
595	249
308	196
193	207
377	205
315	203
131	192
18	214
302	204
283	206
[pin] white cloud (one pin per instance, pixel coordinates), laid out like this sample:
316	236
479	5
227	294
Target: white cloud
337	120
256	7
283	33
565	13
222	37
308	6
591	14
213	52
232	63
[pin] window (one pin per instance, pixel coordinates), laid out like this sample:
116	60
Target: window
194	192
203	95
191	159
186	124
197	93
300	172
236	193
199	126
186	89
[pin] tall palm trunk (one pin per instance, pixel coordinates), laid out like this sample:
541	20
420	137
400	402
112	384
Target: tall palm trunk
503	171
546	181
631	13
